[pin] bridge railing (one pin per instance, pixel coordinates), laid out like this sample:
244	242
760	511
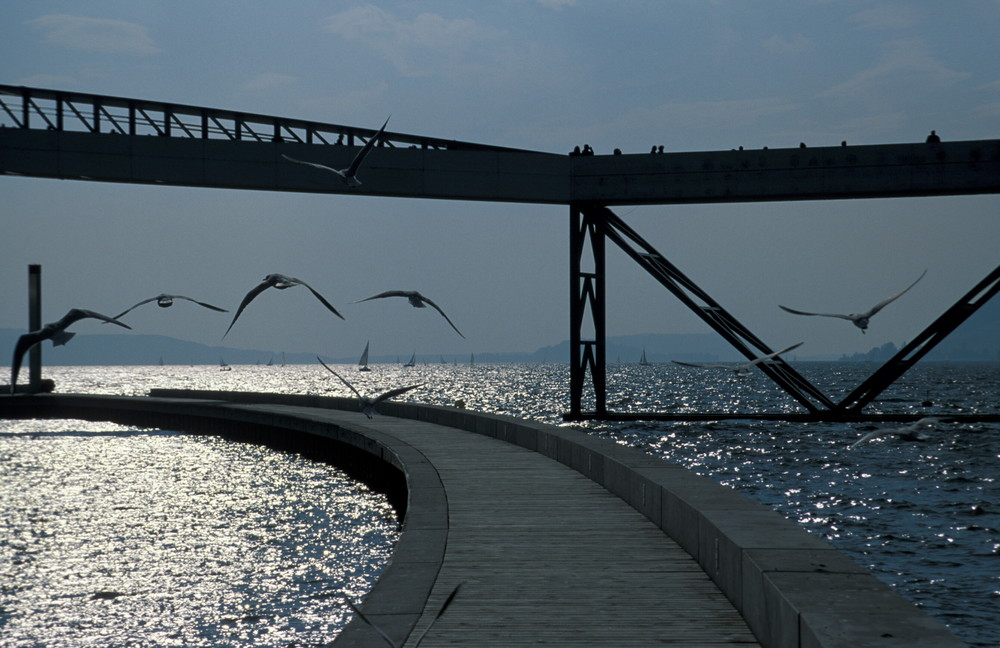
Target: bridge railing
58	110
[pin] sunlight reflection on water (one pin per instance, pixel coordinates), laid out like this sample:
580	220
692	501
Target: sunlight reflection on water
905	510
118	537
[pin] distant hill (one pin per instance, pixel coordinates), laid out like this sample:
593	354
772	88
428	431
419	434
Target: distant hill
659	347
978	339
145	350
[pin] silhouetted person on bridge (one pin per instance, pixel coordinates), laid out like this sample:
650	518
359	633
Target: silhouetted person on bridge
933	138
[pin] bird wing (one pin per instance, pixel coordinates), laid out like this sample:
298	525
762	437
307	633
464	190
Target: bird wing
144	301
363	153
314	164
261	287
867	437
388	293
447	602
377	629
770	356
342	379
918	424
702	365
215	308
77	314
798	312
24	343
438	309
320	297
882	304
392	393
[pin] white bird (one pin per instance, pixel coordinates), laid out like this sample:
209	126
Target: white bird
416	300
423	634
860	319
743	368
906	433
368	404
166	301
280	282
349	175
55	331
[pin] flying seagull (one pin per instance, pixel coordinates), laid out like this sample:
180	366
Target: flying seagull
907	433
349	175
743	368
55	331
165	301
368	404
280	282
423	634
860	319
416	300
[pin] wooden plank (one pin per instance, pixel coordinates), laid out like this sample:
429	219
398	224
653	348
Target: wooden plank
545	555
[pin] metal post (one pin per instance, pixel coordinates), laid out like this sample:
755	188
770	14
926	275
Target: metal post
587	288
35	323
576	368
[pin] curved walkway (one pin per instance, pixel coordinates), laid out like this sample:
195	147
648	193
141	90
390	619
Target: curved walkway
558	538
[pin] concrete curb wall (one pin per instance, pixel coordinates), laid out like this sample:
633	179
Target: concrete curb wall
398	598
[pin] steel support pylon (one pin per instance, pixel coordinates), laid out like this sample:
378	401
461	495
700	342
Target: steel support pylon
587	352
596	224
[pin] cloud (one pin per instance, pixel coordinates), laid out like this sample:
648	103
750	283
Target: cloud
557	4
427	42
269	81
906	64
885	17
987	110
992	85
95	34
797	44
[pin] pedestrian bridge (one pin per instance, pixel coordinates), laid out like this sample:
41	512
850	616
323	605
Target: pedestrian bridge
557	537
79	136
74	135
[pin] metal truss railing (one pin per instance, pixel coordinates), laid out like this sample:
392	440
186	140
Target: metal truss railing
57	110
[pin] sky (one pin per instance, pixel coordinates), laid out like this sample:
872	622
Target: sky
692	75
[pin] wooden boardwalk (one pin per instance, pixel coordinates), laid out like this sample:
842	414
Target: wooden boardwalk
546	556
557	538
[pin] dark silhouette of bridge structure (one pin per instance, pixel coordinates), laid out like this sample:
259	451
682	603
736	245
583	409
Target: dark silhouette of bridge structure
80	136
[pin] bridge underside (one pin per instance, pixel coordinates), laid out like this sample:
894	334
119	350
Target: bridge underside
55	134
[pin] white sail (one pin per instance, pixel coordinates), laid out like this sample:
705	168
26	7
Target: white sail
363	362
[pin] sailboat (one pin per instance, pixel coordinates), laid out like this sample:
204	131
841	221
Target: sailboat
412	362
223	365
472	358
363	362
643	361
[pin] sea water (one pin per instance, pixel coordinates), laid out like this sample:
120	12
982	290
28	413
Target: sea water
118	536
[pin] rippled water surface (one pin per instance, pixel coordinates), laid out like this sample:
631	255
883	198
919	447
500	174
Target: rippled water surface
924	516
